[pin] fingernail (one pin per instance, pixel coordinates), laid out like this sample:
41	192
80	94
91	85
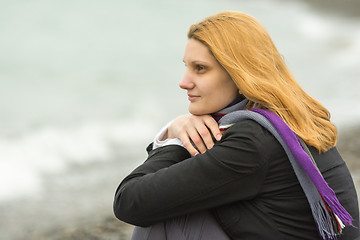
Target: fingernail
218	137
196	154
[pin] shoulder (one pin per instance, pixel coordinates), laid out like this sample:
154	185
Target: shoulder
249	141
251	130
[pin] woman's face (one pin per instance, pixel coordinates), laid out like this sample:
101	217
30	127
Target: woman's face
209	86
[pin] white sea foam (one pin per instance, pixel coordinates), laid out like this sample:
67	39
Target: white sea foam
26	159
339	36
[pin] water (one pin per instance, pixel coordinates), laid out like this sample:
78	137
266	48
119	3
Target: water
83	81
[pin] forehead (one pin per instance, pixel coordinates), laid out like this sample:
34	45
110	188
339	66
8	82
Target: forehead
197	51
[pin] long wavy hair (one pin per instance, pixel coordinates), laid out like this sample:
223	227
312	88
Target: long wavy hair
246	51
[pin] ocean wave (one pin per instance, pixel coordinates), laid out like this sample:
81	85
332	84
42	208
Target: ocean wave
25	159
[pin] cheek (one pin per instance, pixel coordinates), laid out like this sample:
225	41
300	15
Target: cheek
232	88
227	92
222	95
227	87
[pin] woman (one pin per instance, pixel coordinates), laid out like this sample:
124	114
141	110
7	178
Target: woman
248	184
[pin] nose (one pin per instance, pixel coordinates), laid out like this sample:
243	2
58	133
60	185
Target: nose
187	81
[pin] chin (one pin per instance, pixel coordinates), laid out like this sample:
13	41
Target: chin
194	111
198	112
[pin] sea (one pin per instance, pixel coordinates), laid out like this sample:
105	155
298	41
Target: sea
89	83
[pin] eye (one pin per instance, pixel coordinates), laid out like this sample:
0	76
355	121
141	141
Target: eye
200	68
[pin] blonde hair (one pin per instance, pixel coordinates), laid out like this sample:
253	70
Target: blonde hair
245	50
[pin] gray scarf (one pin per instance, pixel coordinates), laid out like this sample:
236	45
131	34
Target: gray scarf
330	217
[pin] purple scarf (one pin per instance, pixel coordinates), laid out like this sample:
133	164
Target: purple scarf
332	204
329	215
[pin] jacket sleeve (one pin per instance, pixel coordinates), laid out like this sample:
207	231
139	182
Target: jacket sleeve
171	183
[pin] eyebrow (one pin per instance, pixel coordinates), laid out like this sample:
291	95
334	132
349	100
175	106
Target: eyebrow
196	62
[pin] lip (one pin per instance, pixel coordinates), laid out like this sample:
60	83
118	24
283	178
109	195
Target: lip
192	97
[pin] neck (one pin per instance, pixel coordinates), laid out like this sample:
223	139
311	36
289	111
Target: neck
238	103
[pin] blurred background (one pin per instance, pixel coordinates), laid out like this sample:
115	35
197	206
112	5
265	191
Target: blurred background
85	86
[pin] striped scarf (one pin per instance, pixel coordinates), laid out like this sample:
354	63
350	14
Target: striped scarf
329	215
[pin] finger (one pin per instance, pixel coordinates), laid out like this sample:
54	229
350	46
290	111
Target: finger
214	127
205	135
196	139
187	144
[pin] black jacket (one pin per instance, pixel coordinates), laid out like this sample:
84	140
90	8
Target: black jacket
246	180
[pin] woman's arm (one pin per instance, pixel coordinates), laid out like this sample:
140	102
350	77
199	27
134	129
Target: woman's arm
171	183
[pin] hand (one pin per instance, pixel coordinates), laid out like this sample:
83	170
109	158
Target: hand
198	129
